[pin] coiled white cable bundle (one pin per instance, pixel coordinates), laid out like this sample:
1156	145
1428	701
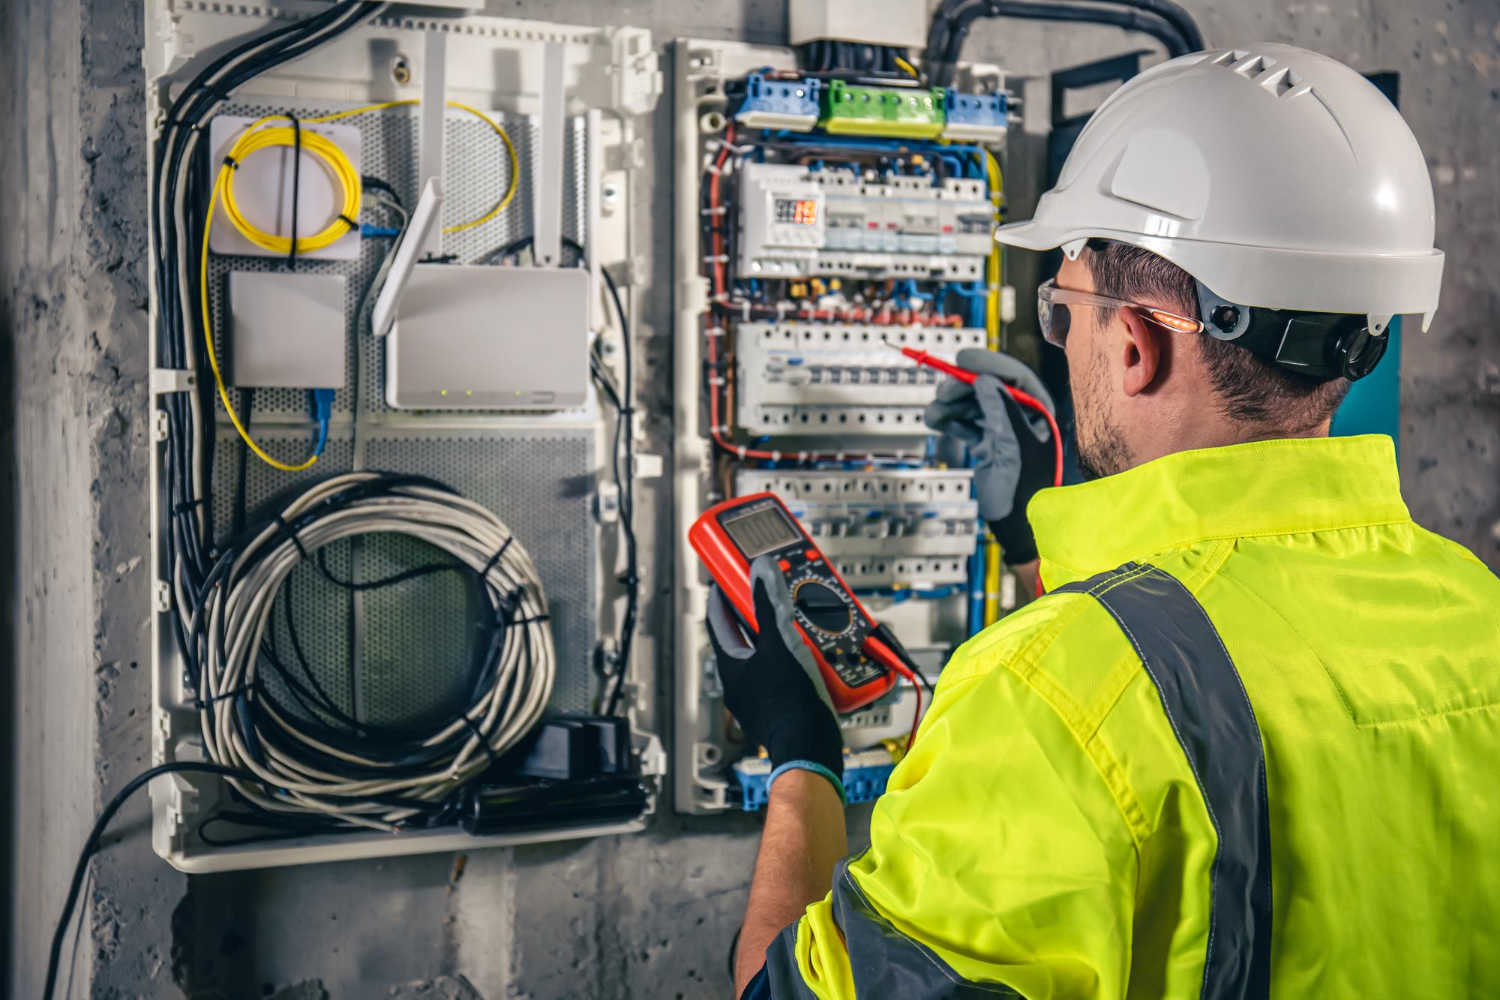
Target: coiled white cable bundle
364	774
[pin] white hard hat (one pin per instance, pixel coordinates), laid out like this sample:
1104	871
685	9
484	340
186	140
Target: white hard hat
1277	177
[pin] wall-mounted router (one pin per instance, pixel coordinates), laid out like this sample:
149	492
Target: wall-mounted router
479	337
475	337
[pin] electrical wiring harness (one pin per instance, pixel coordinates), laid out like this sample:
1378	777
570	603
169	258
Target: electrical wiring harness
319	761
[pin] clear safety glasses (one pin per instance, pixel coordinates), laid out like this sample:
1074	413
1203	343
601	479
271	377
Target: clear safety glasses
1056	318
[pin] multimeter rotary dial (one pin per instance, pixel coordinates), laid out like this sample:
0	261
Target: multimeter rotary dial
821	607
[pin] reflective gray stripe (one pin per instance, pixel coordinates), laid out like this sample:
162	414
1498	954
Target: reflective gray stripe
1207	706
885	962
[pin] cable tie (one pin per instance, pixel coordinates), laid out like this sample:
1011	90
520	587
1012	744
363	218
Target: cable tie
775	455
202	704
741	449
511	603
291	253
745	311
714	169
187	506
231	162
716	258
528	621
287	530
713	331
495	559
348	221
716	210
484	741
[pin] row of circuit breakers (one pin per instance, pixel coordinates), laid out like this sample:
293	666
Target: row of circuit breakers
799	221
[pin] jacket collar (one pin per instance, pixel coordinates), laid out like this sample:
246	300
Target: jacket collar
1278	487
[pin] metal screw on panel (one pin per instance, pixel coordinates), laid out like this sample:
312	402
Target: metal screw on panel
401	70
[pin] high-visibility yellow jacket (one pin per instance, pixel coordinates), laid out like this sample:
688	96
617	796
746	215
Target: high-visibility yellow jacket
1249	745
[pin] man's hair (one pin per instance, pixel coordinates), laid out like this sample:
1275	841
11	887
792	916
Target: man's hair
1250	388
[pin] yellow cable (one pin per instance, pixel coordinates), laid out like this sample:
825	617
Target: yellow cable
905	66
220	181
344	175
992	331
510	150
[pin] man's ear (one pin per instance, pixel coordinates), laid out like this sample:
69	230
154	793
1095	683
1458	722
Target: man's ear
1147	355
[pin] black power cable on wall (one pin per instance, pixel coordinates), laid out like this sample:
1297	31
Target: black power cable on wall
1163	20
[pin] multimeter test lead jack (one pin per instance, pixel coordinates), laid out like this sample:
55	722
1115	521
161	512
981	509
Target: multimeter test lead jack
1022	397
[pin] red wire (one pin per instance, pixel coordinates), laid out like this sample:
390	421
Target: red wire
713	346
916	718
1031	402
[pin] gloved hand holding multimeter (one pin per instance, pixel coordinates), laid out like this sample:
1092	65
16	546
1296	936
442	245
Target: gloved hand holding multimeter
791	638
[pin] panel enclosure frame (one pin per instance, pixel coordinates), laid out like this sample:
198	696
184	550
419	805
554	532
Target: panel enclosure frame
611	85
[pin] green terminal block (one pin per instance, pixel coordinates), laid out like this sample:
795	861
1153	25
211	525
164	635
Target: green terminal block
887	111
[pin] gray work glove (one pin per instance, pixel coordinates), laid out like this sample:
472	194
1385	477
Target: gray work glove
771	682
1011	445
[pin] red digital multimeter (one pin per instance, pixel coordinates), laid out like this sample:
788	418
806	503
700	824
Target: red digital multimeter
857	667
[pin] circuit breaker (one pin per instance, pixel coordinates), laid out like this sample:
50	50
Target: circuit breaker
820	378
828	222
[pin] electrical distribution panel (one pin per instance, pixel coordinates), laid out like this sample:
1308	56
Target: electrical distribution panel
828	218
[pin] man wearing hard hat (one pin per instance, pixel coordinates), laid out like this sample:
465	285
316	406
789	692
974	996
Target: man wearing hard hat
1248	742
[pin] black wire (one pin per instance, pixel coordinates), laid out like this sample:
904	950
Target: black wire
951	23
626	487
91	846
247	410
375	183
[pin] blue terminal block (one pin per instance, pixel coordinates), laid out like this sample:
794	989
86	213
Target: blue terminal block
975	117
786	104
865	775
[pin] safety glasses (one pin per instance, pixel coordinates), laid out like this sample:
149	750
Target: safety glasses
1055	317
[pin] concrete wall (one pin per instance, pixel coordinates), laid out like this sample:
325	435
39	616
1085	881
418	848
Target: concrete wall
643	916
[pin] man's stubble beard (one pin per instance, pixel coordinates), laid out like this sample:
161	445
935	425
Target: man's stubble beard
1101	446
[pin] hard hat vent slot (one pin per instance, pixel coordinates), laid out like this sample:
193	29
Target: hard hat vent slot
1253	66
1278	82
1230	57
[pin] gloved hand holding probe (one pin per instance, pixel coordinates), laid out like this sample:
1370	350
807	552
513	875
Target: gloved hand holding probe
1012	447
771	684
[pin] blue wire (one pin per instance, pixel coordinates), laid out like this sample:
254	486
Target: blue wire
872	145
321	401
957	165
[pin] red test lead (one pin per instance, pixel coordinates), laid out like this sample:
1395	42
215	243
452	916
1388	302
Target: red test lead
1022	397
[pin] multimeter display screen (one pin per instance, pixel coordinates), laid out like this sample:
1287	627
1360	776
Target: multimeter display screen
760	531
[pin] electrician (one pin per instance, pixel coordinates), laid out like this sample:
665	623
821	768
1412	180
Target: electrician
1247	744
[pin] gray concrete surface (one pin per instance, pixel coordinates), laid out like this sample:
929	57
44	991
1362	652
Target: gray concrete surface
643	916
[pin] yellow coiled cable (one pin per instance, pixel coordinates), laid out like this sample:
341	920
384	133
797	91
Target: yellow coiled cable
342	170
